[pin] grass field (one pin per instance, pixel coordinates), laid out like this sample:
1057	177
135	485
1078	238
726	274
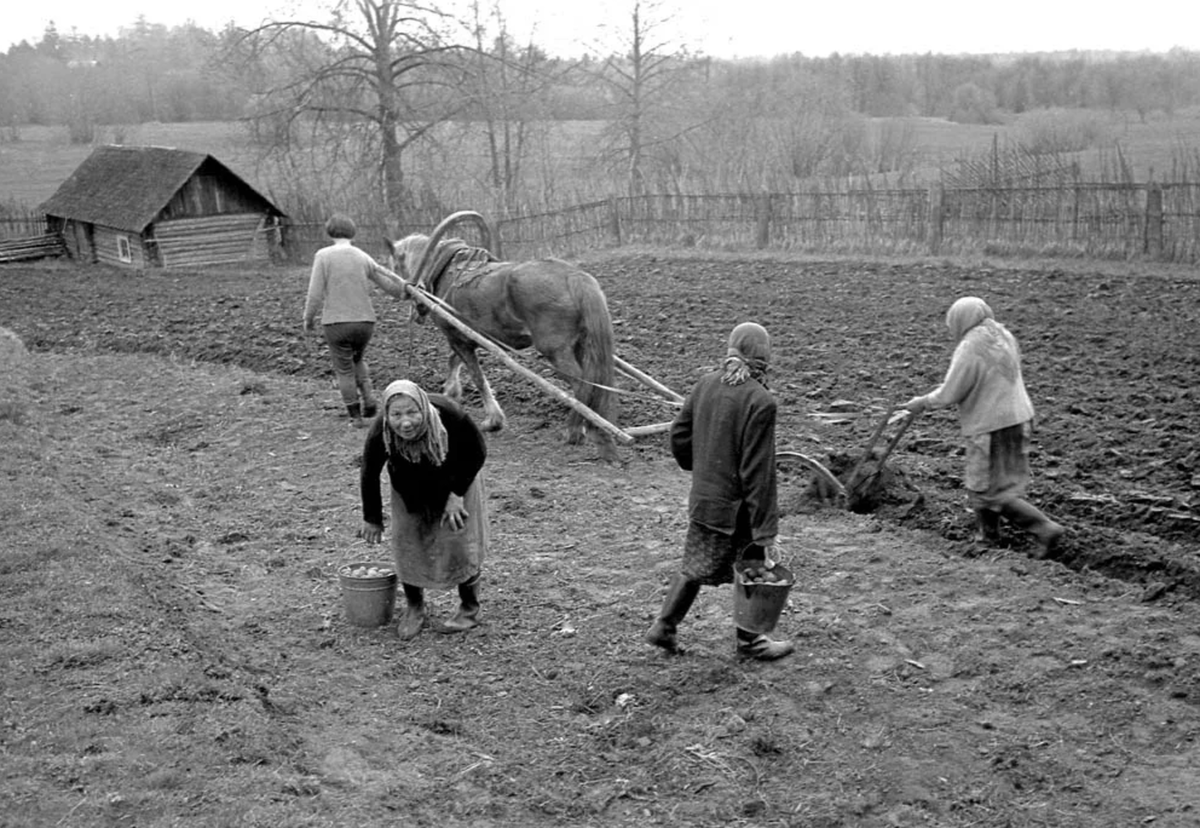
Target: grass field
32	167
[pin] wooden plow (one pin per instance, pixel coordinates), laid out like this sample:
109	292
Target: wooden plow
623	436
864	481
828	483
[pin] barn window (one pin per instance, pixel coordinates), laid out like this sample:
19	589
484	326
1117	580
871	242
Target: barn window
123	249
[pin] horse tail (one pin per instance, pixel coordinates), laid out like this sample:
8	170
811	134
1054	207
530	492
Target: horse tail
594	351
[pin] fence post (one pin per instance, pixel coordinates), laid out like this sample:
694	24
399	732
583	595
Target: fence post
614	221
763	235
936	196
1153	244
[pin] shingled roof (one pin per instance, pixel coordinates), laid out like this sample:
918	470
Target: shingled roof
126	187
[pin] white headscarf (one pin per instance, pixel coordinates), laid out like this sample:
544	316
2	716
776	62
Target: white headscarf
965	314
431	443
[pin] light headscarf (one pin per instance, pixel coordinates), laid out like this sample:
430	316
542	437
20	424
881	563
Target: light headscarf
748	354
965	314
431	443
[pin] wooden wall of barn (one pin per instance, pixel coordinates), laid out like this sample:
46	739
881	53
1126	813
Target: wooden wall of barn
242	237
210	195
107	247
76	238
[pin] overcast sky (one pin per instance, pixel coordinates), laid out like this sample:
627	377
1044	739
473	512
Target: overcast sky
722	28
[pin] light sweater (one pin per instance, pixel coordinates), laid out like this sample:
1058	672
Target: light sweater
340	286
984	381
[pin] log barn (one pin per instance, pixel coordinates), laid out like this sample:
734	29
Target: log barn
158	207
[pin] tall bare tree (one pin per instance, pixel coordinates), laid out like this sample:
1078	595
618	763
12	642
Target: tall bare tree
365	84
511	85
645	80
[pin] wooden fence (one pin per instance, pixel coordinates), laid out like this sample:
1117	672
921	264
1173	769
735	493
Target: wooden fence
1114	221
1158	222
24	226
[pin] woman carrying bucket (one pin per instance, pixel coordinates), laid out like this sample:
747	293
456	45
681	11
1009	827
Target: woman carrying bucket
434	453
725	435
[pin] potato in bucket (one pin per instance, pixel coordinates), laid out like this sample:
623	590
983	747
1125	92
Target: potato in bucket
759	595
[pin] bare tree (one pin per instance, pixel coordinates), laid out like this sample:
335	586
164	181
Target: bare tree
366	84
642	81
511	84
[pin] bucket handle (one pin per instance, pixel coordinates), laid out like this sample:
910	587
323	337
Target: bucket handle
742	555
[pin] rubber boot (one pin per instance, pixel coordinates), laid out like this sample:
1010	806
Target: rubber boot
414	613
1033	520
761	646
355	412
680	594
987	530
467	617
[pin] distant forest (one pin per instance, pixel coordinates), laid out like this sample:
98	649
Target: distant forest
156	73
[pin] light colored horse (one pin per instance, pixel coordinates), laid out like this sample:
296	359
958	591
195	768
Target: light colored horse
548	304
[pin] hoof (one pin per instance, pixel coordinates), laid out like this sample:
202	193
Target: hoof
492	424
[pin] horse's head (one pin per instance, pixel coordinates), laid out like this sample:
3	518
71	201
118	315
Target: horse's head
405	255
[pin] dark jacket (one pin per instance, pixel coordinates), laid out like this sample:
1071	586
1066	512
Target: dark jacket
423	486
725	435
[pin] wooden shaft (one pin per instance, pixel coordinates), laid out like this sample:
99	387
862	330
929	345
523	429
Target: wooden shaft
644	378
642	431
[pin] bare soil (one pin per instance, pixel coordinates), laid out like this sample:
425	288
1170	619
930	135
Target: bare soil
178	486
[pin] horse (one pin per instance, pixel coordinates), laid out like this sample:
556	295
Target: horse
549	304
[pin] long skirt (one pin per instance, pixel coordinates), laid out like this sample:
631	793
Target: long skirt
997	467
709	556
430	554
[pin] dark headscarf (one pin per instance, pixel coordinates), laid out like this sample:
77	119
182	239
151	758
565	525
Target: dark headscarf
748	354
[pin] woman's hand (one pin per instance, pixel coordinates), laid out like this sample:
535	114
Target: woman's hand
371	532
455	515
770	550
916	405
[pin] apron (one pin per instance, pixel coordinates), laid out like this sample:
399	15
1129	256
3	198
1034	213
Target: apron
432	555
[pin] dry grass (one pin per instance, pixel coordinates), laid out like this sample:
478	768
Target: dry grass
562	159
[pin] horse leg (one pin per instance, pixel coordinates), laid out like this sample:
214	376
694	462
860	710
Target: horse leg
493	415
578	427
564	363
452	387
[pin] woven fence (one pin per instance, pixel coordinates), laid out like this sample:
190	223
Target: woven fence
1159	222
23	226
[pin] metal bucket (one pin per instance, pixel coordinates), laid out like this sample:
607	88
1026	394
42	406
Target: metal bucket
368	592
757	606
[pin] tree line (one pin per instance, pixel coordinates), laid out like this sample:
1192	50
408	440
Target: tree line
381	78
